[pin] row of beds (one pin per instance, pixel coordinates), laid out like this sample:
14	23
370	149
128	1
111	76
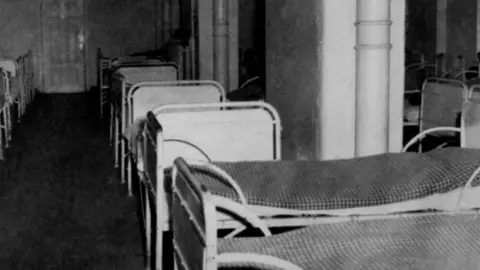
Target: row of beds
418	70
16	93
204	164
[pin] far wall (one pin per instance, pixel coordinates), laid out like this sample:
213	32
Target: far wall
461	35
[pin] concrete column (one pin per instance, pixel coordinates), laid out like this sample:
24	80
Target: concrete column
335	124
478	27
204	11
397	75
372	77
221	42
233	40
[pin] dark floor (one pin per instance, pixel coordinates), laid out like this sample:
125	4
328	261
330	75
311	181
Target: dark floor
57	207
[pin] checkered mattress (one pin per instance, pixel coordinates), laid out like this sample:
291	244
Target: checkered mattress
420	242
340	184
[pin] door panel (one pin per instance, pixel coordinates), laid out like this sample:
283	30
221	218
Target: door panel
63	48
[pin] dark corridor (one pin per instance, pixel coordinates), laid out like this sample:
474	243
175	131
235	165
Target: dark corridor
61	205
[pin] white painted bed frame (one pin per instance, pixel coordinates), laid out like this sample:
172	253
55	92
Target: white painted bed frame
247	131
442	99
146	96
195	230
123	79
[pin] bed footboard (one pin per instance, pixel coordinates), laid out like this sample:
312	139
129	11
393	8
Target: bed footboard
194	226
195	229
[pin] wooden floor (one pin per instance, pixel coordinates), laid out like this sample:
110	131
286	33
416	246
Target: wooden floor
61	205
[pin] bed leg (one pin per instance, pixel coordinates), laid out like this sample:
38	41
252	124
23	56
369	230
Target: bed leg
2	127
115	141
129	176
1	147
19	109
10	121
101	102
24	102
122	159
111	125
6	122
148	231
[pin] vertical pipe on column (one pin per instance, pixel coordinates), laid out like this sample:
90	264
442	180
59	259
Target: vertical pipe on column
220	42
397	75
372	77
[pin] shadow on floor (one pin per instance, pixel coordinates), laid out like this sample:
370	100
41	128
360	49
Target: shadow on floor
57	210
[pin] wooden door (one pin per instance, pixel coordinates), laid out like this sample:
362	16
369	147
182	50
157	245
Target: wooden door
63	46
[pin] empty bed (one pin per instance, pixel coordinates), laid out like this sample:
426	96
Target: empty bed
237	131
375	185
422	241
146	96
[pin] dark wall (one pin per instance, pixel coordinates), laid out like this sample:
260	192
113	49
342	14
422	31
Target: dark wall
20	29
462	29
119	27
116	26
251	26
293	69
421	27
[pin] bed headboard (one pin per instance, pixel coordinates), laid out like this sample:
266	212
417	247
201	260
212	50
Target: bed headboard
137	73
146	97
242	131
442	101
104	66
10	65
117	61
471	118
3	87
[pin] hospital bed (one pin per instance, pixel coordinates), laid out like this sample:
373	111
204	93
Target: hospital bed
105	68
146	96
103	77
126	76
441	106
230	131
16	89
415	75
4	113
306	193
417	241
9	65
459	71
26	74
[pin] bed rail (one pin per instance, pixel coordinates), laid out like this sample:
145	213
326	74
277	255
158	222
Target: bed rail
195	228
